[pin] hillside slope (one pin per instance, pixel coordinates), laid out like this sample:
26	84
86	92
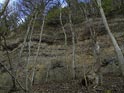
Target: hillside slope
55	60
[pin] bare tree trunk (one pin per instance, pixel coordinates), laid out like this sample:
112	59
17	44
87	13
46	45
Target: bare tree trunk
94	74
24	42
64	31
29	53
38	49
63	27
116	46
25	38
73	47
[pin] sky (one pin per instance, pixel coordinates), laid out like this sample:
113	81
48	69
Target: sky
10	3
2	1
63	5
13	3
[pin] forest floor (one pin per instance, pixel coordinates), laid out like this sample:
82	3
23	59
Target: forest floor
112	83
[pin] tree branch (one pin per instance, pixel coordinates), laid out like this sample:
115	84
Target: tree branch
4	7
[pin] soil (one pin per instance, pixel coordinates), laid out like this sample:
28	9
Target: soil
112	83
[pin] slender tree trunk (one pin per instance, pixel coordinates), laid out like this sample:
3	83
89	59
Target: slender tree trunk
65	43
73	47
23	45
63	27
38	49
116	46
29	53
10	64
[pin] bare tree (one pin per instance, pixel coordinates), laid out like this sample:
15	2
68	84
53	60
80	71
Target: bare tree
73	39
29	51
94	73
115	44
38	49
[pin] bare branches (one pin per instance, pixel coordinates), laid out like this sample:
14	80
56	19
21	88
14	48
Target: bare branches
4	7
8	71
